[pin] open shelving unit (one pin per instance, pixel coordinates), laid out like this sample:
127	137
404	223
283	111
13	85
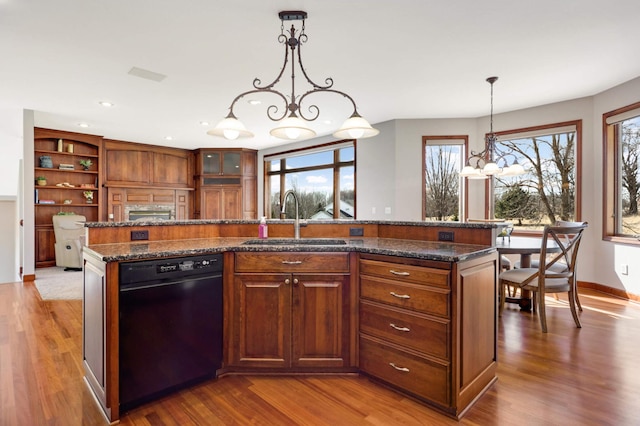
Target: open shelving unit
63	192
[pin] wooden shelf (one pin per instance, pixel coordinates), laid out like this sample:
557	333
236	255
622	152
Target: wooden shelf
48	169
70	154
66	187
66	205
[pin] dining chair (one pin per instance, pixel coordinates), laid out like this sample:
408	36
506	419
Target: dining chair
547	278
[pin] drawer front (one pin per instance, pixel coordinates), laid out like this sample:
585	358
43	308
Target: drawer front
412	373
429	300
416	331
292	262
405	273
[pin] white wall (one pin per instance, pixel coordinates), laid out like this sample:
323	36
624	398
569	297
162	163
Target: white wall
10	243
10	193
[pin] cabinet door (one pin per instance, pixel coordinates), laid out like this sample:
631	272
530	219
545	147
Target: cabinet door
45	246
261	320
320	321
220	203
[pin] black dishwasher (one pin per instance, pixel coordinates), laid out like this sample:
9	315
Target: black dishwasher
170	325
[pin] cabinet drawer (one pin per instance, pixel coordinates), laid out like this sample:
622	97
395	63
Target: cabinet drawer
429	300
420	376
412	330
292	262
405	273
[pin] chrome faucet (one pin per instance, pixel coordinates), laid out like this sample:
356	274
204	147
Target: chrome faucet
296	223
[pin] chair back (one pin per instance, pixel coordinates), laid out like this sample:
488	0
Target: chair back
567	236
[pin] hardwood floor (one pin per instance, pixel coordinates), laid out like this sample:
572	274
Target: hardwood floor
568	376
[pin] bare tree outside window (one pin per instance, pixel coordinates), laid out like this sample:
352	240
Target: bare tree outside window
630	176
442	182
547	191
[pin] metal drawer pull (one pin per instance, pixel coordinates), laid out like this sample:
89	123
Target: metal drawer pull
292	262
400	296
395	327
404	274
404	369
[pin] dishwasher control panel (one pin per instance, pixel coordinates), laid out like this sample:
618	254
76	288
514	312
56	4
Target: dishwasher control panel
187	265
162	269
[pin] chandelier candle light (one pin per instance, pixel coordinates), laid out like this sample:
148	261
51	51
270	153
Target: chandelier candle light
294	125
487	163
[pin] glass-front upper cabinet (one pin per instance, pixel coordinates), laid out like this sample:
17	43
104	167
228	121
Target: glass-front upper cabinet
221	163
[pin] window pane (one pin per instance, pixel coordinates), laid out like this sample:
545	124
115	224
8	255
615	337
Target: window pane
273	192
347	154
315	159
347	193
311	174
546	192
273	166
314	190
442	181
628	177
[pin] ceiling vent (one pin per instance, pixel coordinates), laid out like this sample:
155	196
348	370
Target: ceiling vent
146	74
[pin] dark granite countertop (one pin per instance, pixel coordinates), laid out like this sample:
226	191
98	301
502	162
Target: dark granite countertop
451	224
428	250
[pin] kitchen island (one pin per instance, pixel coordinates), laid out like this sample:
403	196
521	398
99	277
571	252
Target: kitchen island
394	301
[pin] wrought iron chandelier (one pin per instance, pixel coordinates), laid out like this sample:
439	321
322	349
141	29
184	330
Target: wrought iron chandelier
294	125
491	161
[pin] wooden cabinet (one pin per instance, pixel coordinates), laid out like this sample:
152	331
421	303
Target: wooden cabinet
429	328
57	156
226	184
290	311
130	164
223	202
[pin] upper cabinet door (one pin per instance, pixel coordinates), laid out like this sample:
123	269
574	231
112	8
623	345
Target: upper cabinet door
231	163
221	162
211	163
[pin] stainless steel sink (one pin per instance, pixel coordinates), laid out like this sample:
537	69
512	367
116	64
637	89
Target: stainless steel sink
295	242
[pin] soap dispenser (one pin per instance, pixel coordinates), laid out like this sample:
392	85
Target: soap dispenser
262	228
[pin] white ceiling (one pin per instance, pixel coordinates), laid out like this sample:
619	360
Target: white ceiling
397	59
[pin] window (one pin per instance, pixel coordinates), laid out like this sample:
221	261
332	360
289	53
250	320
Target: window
443	159
622	176
322	177
550	188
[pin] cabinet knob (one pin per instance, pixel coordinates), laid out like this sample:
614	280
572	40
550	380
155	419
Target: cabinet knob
295	281
287	281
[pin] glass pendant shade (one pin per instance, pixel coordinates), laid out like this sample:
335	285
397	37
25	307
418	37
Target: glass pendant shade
230	128
355	127
292	128
468	171
491	169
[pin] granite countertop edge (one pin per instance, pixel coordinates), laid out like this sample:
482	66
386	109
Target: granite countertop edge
476	225
425	250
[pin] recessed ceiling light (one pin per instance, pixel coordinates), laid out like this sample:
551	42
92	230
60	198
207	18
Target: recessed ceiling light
327	121
204	123
106	104
168	138
254	102
85	125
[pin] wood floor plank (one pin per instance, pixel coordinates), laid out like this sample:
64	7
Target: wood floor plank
568	376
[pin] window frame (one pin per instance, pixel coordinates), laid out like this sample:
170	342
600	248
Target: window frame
463	198
611	178
513	134
336	165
